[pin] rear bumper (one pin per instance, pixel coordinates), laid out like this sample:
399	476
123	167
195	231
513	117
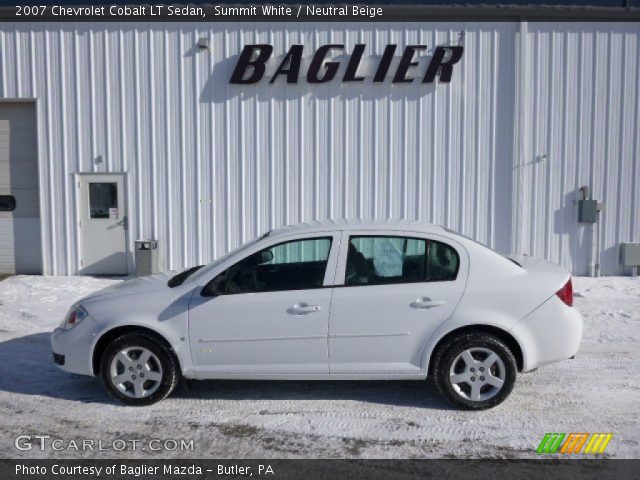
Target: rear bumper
549	334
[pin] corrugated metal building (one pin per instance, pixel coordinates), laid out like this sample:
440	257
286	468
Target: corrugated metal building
534	111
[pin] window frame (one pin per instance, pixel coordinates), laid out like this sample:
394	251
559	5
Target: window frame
89	205
330	259
401	235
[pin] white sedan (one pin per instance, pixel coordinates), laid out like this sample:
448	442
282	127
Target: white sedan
328	301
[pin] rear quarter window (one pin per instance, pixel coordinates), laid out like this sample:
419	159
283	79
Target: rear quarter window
443	262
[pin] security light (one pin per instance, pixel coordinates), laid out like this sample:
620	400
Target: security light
203	43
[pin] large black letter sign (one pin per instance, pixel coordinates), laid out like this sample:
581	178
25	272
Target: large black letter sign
316	63
252	64
406	61
264	52
354	63
445	67
293	58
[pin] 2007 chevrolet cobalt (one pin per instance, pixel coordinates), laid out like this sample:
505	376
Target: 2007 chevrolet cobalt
332	300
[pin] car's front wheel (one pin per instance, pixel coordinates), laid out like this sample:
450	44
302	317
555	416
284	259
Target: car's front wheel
138	369
475	371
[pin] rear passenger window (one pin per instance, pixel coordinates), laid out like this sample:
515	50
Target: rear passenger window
379	260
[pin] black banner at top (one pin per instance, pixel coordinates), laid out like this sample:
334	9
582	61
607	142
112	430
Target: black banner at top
320	12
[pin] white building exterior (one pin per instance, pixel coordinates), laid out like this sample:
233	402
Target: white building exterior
533	112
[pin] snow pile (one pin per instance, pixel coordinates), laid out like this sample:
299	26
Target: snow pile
35	303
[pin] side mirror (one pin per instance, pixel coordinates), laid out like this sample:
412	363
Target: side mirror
264	256
217	286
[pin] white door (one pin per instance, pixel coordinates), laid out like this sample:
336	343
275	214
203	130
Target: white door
397	290
20	246
102	224
268	313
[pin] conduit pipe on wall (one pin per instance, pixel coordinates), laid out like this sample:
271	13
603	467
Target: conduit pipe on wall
594	264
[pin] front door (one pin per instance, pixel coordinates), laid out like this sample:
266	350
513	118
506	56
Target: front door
102	223
266	314
398	289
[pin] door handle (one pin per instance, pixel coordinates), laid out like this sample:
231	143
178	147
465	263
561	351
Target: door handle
426	302
303	308
124	223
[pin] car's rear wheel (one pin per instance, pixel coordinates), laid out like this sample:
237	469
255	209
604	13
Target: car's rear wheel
475	371
138	369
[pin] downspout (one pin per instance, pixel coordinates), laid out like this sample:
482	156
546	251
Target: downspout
594	248
597	252
519	132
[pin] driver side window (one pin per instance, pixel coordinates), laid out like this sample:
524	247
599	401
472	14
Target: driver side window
293	265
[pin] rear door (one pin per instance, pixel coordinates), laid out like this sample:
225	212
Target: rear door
392	292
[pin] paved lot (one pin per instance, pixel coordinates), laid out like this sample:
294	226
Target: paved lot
599	391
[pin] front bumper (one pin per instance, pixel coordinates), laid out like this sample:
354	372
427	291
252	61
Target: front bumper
72	348
549	334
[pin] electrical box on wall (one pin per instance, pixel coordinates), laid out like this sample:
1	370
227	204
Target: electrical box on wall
587	211
630	254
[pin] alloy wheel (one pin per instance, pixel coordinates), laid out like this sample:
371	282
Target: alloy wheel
477	374
136	372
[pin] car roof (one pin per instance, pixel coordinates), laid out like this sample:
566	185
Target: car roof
346	224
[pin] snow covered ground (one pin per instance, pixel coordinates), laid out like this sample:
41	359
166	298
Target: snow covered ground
599	391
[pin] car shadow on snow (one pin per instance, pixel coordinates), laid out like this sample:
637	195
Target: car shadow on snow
26	367
418	394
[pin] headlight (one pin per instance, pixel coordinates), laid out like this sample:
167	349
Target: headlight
73	317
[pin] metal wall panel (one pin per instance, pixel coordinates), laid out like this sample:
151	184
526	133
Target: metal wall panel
211	165
580	126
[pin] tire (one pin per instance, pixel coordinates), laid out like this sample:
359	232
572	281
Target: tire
468	358
139	384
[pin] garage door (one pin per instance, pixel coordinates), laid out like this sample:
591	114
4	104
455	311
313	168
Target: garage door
20	248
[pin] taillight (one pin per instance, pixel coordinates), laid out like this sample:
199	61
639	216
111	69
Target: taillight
566	293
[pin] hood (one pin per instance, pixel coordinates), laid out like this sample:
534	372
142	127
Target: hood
135	286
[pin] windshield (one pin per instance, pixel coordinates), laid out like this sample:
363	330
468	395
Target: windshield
203	272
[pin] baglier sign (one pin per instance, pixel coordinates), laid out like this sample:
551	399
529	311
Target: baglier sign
251	65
